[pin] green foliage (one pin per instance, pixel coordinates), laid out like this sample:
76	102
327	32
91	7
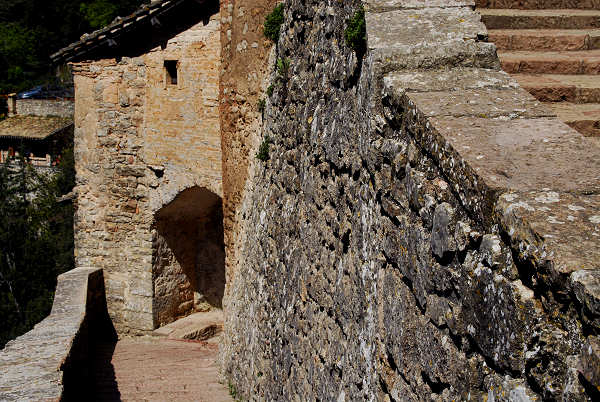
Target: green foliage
356	32
270	89
283	66
17	53
263	149
233	392
36	242
31	30
273	23
261	105
98	13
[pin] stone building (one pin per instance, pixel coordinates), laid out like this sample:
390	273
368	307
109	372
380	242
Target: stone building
148	161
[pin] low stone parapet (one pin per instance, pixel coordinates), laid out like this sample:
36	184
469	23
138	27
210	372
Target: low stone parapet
530	181
49	363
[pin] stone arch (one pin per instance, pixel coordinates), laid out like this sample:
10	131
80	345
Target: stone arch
188	255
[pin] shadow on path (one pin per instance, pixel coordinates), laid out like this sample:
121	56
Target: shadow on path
104	382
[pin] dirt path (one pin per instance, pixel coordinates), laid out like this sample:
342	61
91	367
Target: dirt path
157	369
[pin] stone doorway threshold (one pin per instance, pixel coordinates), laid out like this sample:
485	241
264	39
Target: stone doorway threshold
205	326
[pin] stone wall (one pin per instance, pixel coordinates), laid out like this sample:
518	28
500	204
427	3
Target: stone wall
423	228
50	362
139	142
244	69
43	107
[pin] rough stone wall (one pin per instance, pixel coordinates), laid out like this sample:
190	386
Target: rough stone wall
139	142
44	107
423	228
244	58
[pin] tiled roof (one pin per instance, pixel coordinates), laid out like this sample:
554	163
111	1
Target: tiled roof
33	127
146	15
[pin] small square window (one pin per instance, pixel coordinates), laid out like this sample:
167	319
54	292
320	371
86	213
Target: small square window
171	71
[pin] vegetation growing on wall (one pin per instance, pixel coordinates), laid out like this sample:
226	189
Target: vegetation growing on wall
36	241
283	66
273	23
356	32
263	149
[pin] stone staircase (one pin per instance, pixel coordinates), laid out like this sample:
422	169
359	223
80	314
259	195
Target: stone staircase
552	48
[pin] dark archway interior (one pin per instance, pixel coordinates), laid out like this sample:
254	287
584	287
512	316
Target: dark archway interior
188	256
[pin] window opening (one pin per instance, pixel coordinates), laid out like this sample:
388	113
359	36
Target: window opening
171	69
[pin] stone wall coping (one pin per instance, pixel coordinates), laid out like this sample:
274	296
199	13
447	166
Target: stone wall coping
32	365
512	164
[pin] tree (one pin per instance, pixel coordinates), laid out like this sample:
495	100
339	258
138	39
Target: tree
98	13
34	29
36	242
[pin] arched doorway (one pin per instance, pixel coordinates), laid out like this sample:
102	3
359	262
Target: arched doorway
188	256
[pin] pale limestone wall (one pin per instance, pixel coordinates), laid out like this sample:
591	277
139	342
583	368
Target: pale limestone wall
181	122
139	143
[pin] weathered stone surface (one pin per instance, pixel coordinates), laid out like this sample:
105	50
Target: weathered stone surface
523	154
590	360
485	103
448	80
415	44
586	285
47	362
387	5
400	272
555	226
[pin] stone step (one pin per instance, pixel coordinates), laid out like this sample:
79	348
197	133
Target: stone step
545	39
540	19
575	62
559	88
584	118
197	326
538	4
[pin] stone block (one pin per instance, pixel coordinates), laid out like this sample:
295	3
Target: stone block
485	103
387	5
523	154
398	82
590	360
415	45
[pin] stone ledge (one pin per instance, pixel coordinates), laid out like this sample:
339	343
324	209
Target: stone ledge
34	366
388	5
497	146
511	163
429	38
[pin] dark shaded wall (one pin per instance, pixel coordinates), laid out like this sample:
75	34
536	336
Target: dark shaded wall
370	267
